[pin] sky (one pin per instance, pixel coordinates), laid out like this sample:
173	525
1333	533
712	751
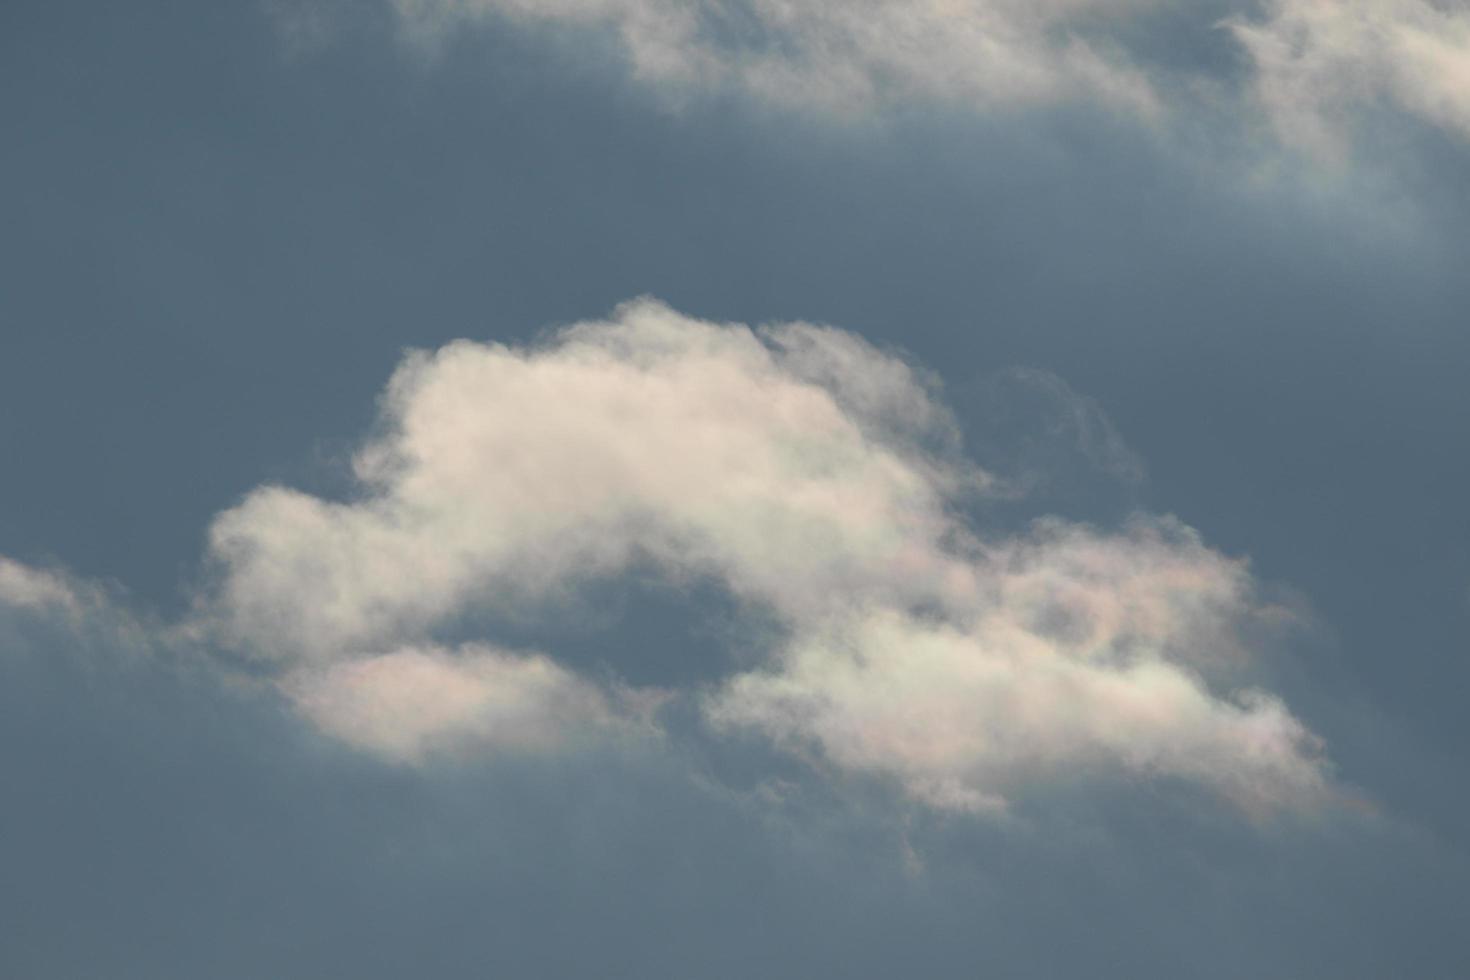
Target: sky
727	488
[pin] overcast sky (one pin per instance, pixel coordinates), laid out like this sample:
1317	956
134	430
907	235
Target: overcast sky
734	488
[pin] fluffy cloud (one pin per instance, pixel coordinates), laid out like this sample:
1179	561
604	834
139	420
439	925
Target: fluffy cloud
964	718
821	482
1083	651
792	465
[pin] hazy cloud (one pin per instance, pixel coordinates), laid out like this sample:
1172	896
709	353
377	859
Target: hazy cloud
1312	69
25	587
1318	64
843	56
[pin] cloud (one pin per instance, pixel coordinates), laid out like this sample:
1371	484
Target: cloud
406	703
25	587
1319	64
63	604
965	719
843	56
1314	70
508	474
1084	652
819	481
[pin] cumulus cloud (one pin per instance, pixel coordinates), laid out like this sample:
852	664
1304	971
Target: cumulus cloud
964	716
506	474
1084	651
821	482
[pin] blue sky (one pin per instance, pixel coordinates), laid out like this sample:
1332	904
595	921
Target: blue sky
699	490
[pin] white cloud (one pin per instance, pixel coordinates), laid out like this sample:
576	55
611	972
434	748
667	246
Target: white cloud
25	587
1319	64
1315	68
410	702
843	55
1085	655
507	474
818	479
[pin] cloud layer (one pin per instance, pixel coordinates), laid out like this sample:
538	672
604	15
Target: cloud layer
821	484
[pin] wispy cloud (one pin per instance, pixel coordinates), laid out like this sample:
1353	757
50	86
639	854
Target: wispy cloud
1319	64
25	587
845	56
1314	71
